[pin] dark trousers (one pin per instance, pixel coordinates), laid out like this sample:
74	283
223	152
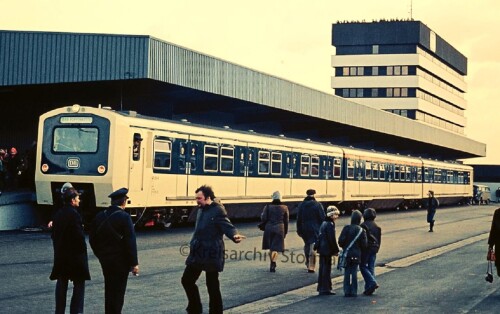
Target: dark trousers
76	299
115	284
324	276
189	278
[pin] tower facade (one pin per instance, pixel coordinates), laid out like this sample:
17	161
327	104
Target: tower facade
402	67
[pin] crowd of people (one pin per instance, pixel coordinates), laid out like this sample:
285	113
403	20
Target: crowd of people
17	170
113	241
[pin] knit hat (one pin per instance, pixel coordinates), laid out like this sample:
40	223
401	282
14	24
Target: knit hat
332	211
66	186
276	195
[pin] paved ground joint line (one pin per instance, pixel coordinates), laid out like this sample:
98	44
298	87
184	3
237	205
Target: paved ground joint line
300	294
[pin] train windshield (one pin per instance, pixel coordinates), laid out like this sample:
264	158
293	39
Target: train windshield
75	140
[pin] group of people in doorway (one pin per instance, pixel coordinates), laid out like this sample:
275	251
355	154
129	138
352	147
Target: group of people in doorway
17	170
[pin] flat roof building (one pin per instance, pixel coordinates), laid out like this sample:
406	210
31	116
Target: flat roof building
402	67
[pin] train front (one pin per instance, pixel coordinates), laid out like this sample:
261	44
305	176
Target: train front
73	146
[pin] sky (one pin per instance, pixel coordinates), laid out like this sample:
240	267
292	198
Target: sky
290	39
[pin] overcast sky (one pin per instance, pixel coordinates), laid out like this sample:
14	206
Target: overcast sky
290	39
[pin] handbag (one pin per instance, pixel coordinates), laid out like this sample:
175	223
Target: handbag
342	263
489	272
262	225
491	255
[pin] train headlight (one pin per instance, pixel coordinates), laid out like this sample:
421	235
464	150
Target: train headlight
75	108
45	168
101	169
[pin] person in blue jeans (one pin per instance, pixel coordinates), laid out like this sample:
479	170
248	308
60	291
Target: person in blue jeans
369	256
356	235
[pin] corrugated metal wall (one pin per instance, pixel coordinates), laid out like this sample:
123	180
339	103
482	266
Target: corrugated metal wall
44	58
176	65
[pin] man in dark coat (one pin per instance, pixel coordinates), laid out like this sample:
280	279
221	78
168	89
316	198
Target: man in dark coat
369	256
494	238
310	215
112	238
432	205
207	251
70	254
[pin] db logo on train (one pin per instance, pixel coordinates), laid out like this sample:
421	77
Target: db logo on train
73	163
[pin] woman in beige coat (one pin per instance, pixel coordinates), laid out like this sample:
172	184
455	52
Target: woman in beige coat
275	215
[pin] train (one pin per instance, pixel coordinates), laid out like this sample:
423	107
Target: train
162	162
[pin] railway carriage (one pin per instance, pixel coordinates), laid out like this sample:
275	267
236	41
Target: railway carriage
162	162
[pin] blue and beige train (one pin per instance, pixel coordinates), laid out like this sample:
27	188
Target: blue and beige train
94	149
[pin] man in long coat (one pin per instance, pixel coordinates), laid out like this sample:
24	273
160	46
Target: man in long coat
310	216
70	254
112	238
207	251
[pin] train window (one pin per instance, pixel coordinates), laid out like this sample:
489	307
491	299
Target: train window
396	173
375	171
403	173
419	174
227	159
192	157
336	167
162	154
276	163
368	172
182	155
382	172
242	162
75	140
250	163
304	165
426	175
314	166
359	169
210	158
136	146
460	177
450	176
350	169
437	175
264	162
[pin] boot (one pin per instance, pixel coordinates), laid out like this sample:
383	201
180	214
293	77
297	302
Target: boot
431	226
272	268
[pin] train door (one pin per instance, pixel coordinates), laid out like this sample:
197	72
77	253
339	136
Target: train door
291	171
184	153
327	164
245	165
137	158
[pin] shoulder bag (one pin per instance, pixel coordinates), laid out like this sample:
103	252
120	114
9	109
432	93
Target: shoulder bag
342	263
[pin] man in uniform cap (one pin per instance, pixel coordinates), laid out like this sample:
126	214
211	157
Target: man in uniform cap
112	238
136	149
310	216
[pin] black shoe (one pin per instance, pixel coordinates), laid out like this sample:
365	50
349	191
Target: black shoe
272	268
370	290
327	293
310	270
